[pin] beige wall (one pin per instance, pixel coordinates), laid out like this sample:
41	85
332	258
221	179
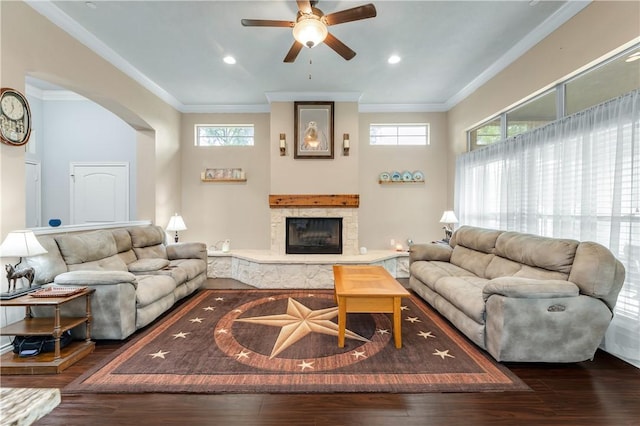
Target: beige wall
238	211
402	211
597	31
32	45
314	176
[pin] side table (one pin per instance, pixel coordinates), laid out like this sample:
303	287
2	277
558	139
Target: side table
61	358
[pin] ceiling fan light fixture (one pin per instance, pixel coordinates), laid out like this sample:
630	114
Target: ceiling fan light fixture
309	30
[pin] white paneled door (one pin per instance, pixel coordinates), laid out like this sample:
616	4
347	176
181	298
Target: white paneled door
99	192
32	195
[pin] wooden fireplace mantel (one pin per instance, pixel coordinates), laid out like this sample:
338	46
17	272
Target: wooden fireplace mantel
314	200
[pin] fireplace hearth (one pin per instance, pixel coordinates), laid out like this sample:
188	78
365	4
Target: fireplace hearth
313	235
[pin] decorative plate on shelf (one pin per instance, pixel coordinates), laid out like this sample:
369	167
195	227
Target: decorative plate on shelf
407	176
418	176
396	177
384	177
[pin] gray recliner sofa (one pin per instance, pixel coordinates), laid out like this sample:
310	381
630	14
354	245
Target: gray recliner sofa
136	276
521	297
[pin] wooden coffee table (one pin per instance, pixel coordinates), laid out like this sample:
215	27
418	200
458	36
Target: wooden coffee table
367	289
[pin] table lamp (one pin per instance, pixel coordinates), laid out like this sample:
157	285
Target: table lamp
176	223
22	243
449	219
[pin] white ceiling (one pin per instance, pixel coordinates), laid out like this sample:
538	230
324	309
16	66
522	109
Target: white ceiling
175	49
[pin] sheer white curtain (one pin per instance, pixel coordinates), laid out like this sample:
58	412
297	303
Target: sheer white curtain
578	178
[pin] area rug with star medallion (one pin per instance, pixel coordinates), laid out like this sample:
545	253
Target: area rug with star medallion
274	341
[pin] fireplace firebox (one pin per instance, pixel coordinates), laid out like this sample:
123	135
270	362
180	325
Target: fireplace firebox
314	235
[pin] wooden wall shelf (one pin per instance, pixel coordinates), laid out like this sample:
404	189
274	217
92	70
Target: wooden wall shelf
397	182
311	200
223	180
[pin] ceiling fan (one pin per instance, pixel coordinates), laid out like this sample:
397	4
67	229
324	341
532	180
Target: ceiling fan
310	27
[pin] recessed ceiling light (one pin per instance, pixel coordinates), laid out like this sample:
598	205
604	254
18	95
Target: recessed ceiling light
394	59
90	5
229	60
633	57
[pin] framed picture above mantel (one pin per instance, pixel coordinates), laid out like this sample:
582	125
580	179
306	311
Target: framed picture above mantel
313	136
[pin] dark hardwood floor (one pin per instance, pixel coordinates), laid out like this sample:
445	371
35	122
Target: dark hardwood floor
605	391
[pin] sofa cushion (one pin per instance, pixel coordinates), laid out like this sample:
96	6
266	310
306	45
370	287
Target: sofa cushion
122	239
465	293
554	254
527	288
501	267
86	246
95	278
471	260
145	236
152	288
430	272
478	239
111	263
540	274
48	265
193	267
594	271
147	265
152	252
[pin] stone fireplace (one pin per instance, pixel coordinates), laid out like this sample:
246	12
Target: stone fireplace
274	268
343	207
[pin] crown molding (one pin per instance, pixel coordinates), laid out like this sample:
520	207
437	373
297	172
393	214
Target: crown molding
552	23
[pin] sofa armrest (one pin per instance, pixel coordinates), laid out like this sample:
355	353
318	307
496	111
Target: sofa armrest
95	278
190	250
431	251
528	288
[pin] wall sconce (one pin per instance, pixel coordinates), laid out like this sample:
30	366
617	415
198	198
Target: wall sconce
283	144
345	144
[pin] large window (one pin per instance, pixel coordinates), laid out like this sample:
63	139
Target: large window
607	80
399	134
224	134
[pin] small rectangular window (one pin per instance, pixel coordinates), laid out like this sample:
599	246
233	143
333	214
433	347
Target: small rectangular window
399	134
224	135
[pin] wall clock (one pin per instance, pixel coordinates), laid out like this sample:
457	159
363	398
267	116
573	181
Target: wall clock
15	117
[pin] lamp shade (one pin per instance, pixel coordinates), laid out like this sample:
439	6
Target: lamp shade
448	217
22	243
176	223
310	31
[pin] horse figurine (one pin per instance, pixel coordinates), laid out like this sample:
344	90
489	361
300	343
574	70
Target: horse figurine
13	275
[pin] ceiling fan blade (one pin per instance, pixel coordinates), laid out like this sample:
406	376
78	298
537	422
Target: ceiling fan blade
340	48
293	52
266	23
304	6
353	14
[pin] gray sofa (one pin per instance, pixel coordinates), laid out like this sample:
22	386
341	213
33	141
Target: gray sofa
521	297
137	277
